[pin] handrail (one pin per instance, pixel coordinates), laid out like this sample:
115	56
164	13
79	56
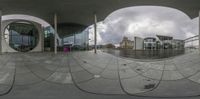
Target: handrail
191	37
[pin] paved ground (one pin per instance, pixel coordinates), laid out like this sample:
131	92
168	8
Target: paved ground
81	75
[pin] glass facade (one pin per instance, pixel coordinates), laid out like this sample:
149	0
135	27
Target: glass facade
77	40
21	36
48	38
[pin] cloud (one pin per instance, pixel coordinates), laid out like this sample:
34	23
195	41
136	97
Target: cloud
145	21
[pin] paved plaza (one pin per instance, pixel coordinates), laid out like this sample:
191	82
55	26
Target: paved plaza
79	75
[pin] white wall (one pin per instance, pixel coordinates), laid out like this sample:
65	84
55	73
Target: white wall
139	43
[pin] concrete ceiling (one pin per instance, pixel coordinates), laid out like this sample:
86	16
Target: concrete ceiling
81	11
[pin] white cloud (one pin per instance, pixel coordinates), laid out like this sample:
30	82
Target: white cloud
145	21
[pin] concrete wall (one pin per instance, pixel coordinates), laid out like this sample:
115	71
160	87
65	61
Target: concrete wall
5	46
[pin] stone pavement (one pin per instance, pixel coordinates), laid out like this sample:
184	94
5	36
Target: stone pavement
106	74
85	74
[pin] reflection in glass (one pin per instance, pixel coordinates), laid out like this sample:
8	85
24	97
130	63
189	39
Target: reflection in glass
78	41
48	38
21	36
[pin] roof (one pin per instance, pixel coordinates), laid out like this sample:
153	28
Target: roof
81	11
163	37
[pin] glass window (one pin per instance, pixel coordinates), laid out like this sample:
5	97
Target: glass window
21	36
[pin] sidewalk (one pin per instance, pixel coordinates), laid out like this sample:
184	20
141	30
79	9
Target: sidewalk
84	74
107	74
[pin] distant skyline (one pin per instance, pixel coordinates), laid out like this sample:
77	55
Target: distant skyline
144	21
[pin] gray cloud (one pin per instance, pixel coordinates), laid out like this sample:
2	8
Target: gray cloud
144	21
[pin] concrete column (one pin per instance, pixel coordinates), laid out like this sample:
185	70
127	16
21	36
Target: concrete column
199	32
135	43
1	35
55	35
95	33
74	38
42	39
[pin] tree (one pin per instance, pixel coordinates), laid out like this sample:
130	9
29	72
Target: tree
110	45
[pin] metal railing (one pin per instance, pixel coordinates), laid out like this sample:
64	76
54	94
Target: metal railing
192	43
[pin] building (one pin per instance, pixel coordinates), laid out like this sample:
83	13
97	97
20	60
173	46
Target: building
150	43
66	16
178	44
139	45
21	36
78	40
165	42
126	43
48	39
163	37
168	42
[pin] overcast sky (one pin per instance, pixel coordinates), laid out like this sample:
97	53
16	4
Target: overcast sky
140	21
144	21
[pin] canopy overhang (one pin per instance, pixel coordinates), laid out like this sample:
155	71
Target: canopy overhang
81	11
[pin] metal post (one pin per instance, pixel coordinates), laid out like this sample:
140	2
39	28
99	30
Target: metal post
88	40
199	31
74	38
135	43
55	38
95	33
63	41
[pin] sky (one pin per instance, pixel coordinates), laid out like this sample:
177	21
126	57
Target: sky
144	21
140	21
